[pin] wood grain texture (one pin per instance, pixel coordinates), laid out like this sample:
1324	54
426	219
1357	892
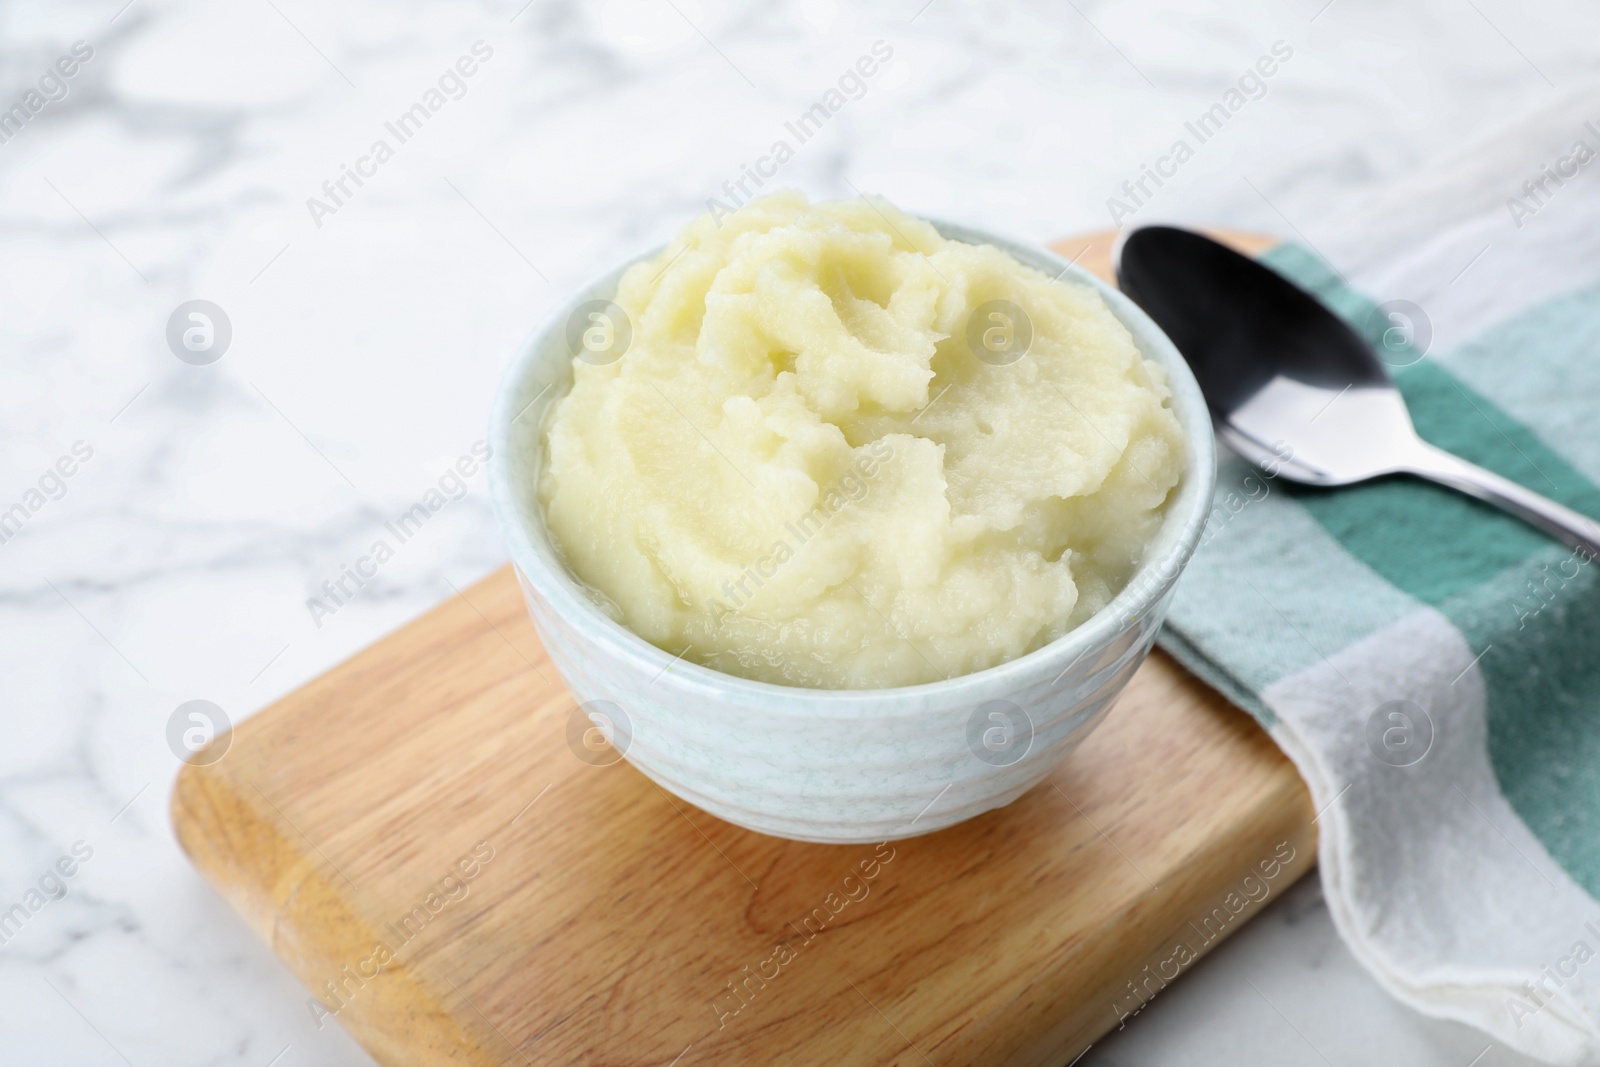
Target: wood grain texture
535	909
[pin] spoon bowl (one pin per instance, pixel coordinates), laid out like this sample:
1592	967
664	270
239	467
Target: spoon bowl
1290	384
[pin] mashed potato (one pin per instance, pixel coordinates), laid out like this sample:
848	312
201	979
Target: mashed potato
833	453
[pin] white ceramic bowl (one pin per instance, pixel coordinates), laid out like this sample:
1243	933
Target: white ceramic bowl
823	765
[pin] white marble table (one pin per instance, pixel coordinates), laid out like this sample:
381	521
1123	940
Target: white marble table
176	561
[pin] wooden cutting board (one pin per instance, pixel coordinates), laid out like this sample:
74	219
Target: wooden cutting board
413	837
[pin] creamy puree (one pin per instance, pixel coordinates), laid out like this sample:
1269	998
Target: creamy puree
800	471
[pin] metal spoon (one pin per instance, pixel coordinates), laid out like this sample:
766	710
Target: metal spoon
1279	369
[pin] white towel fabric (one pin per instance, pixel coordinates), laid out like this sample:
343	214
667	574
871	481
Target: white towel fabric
1443	874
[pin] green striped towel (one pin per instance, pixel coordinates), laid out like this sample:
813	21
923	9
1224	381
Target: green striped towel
1431	665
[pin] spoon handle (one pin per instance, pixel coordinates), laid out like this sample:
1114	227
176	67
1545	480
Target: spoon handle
1562	523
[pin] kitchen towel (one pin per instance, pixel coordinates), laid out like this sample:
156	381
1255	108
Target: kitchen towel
1431	665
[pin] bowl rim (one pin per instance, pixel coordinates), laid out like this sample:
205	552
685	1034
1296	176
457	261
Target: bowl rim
1188	510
